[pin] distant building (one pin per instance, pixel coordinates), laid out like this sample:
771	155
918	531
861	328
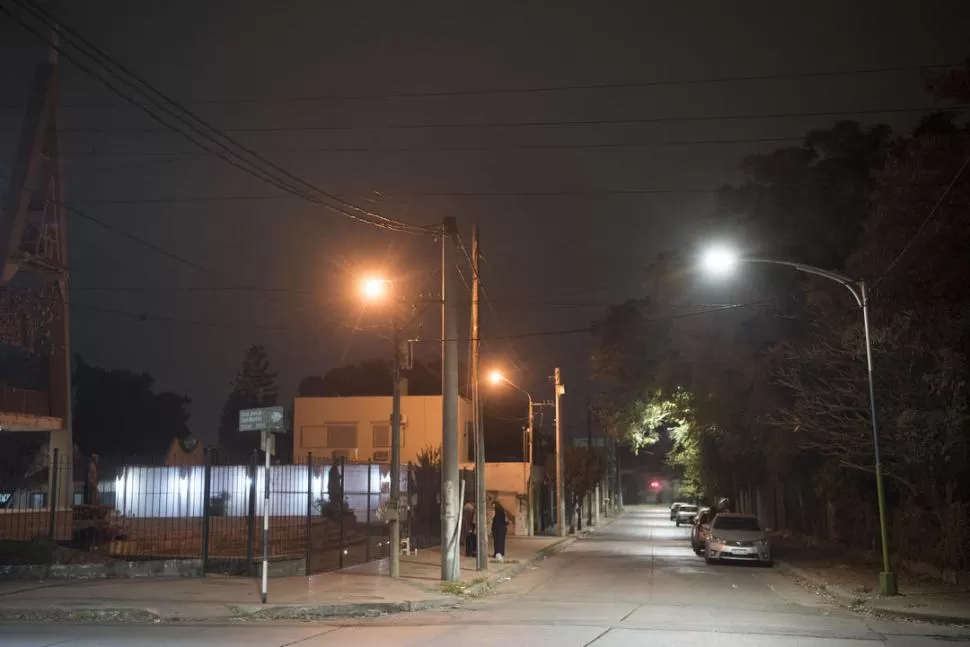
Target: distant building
358	428
185	452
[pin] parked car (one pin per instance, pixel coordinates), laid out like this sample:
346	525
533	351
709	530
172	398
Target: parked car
700	530
685	514
737	537
673	510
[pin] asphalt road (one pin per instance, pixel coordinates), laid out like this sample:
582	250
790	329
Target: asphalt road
633	583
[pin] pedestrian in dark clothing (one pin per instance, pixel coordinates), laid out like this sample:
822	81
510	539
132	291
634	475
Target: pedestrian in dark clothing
468	524
500	524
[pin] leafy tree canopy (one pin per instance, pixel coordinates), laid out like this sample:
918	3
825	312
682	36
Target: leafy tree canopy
117	413
253	386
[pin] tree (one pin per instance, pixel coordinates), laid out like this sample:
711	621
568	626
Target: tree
312	386
254	386
372	377
117	413
583	469
706	380
920	345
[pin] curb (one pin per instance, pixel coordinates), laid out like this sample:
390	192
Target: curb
843	596
859	603
79	615
242	613
481	588
338	610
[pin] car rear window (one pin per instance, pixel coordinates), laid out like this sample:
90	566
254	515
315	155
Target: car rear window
737	523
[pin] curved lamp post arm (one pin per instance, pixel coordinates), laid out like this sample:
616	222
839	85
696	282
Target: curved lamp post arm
888	583
856	287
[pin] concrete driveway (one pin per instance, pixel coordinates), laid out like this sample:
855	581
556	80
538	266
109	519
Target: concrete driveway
635	582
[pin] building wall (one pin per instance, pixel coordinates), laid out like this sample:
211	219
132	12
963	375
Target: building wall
319	424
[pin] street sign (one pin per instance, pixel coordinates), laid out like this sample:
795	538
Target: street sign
263	419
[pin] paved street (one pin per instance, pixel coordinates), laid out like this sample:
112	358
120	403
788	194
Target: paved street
636	582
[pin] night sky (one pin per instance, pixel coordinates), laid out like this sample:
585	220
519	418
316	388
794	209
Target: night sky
597	216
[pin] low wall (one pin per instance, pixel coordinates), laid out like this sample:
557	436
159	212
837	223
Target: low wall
228	537
27	524
109	570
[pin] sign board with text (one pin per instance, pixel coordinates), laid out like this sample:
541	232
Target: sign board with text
263	419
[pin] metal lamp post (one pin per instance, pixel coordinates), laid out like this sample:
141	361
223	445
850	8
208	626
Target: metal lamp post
723	261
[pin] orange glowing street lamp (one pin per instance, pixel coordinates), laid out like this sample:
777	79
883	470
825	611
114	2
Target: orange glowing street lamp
374	288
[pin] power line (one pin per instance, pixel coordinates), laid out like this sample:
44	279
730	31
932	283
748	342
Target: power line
935	210
621	85
144	317
562	332
488	302
541	123
539	303
208	133
413	194
458	149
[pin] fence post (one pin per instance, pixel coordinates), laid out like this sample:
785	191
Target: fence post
369	501
206	498
340	556
52	495
309	510
251	516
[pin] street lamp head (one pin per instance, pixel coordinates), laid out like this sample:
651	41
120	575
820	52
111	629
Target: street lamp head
719	260
495	377
374	289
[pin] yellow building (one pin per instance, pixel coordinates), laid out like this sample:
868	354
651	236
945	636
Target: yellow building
358	428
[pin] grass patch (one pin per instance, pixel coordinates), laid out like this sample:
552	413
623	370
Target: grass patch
460	588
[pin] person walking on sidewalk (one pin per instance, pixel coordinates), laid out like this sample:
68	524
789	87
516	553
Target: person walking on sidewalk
500	526
468	530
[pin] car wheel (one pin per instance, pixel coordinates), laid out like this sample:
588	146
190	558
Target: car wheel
769	564
709	561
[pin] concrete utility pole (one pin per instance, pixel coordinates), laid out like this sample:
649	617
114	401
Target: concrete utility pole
589	445
481	514
394	508
450	504
560	490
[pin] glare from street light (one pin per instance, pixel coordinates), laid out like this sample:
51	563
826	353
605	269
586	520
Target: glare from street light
374	288
719	260
495	377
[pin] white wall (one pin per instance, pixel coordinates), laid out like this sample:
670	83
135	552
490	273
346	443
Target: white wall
143	492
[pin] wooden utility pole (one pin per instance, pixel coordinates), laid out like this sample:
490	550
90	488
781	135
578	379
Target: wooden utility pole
560	490
394	507
481	514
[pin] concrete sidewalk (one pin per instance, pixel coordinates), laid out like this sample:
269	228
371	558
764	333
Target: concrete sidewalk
853	581
363	590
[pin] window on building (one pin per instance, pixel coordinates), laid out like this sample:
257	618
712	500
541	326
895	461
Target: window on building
342	435
382	435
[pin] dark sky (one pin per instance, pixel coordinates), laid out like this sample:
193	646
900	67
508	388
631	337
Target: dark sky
553	260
